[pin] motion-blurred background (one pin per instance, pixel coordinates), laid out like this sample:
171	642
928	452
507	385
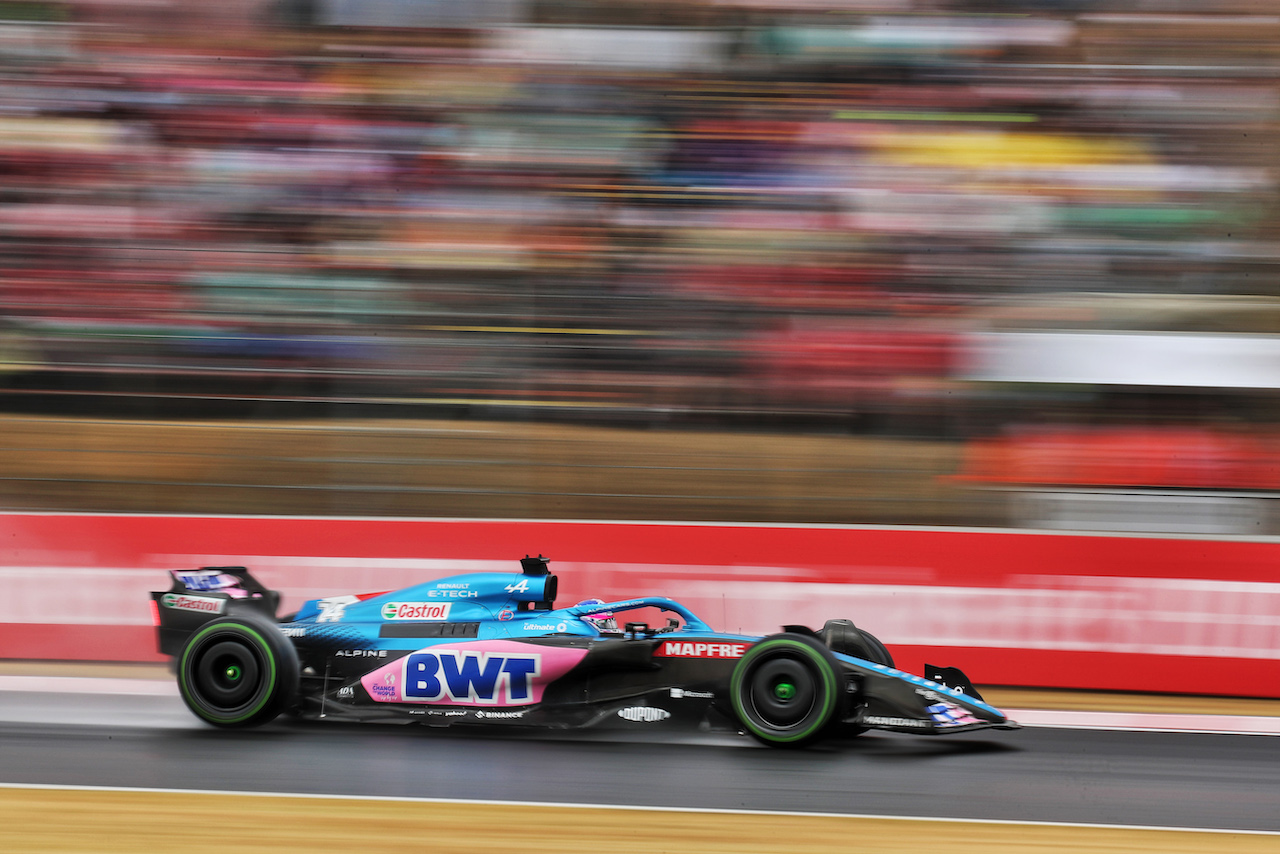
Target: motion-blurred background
885	261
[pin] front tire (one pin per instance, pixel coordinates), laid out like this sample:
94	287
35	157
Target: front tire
238	671
786	690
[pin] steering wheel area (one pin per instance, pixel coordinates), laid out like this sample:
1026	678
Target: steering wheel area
637	630
683	619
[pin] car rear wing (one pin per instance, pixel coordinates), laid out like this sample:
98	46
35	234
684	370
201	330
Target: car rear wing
197	596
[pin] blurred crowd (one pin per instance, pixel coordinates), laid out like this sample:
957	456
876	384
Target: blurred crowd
737	211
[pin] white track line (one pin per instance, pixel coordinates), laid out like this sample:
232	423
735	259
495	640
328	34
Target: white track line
628	807
88	685
1147	721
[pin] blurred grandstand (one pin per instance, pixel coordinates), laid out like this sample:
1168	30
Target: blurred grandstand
1017	260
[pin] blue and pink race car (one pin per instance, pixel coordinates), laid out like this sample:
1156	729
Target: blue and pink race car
492	649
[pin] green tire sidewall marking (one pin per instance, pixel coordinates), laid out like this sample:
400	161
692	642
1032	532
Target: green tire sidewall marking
199	706
827	676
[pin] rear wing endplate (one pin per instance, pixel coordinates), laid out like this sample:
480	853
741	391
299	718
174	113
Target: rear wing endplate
197	596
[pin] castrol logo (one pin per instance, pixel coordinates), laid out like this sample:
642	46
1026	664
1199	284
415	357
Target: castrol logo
205	604
416	610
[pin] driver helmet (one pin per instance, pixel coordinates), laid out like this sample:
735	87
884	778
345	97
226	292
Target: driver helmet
602	620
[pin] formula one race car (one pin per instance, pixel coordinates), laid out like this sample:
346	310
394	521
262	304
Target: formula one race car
492	649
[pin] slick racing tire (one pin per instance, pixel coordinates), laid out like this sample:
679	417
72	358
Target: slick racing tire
786	691
238	671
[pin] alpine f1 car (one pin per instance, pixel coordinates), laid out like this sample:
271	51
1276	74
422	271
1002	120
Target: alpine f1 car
491	649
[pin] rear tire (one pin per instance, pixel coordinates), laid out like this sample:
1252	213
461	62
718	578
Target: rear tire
238	671
786	691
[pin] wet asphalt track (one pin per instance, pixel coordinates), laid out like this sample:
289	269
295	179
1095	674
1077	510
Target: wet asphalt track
1036	774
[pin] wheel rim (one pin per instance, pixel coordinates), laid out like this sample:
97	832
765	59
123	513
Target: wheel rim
227	675
783	691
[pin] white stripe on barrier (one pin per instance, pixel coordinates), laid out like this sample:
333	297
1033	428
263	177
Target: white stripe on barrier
1154	616
118	596
78	595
